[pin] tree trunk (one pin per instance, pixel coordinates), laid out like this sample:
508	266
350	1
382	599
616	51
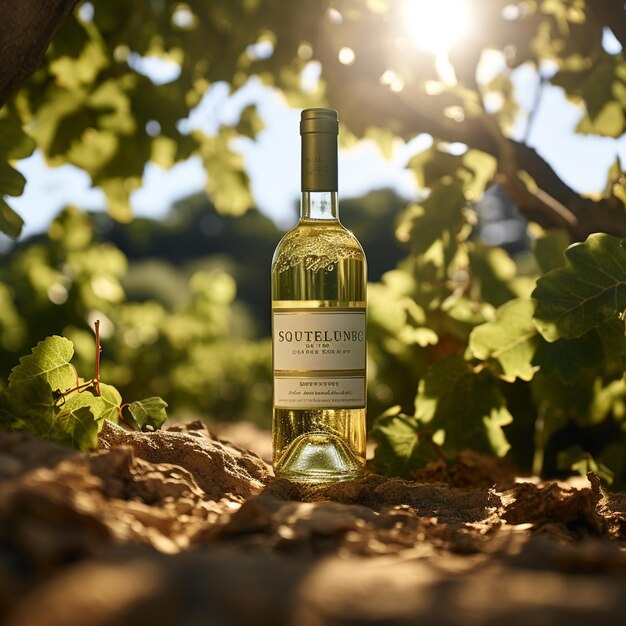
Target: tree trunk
26	27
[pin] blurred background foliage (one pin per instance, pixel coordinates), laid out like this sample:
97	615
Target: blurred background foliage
459	354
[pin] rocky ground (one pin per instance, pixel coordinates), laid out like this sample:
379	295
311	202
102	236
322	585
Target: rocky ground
180	528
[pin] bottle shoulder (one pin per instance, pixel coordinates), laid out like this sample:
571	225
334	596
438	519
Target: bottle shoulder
311	240
310	232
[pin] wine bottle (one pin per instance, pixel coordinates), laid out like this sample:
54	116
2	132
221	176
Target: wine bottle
319	283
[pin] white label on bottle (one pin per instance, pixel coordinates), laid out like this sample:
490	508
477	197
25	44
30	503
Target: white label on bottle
327	393
319	358
319	340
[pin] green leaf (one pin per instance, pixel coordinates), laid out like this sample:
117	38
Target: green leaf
511	339
401	449
250	124
10	222
11	181
50	360
467	406
71	404
112	401
594	84
494	272
73	72
227	184
14	142
28	405
585	293
549	249
478	169
609	122
117	191
78	429
569	358
578	460
149	413
608	399
104	406
440	214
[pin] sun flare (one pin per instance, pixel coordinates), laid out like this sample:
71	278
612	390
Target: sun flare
436	25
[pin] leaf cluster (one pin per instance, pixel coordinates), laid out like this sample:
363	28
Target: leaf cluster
46	398
561	346
98	104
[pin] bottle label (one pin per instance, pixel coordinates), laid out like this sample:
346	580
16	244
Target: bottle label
319	358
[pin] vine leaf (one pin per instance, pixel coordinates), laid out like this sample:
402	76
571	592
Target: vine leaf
569	358
456	406
511	340
28	404
111	403
50	360
441	214
46	398
149	413
14	145
87	398
78	429
466	407
576	459
10	222
588	291
400	448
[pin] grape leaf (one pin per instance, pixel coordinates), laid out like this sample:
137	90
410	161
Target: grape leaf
79	429
85	398
549	248
440	214
50	360
578	460
589	290
28	405
467	406
511	339
111	400
569	358
14	144
11	181
10	222
250	123
149	413
401	449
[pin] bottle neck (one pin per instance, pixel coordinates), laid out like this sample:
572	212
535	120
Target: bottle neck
319	206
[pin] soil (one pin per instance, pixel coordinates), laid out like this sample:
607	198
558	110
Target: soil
180	528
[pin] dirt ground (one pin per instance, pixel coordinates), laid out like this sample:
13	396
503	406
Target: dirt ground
181	528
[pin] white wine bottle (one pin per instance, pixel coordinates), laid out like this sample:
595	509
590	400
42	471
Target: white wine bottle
319	284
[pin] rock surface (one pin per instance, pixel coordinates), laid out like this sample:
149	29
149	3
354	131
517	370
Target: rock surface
177	527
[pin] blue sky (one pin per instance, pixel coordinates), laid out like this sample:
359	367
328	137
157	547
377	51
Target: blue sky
273	159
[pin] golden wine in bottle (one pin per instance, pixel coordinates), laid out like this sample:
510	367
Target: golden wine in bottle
319	283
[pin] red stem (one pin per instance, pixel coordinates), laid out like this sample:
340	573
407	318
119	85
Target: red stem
98	351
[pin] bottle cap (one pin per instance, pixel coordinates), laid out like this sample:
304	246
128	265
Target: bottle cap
319	121
319	129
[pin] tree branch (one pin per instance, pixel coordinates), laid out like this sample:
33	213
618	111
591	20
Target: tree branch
609	13
553	205
26	28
